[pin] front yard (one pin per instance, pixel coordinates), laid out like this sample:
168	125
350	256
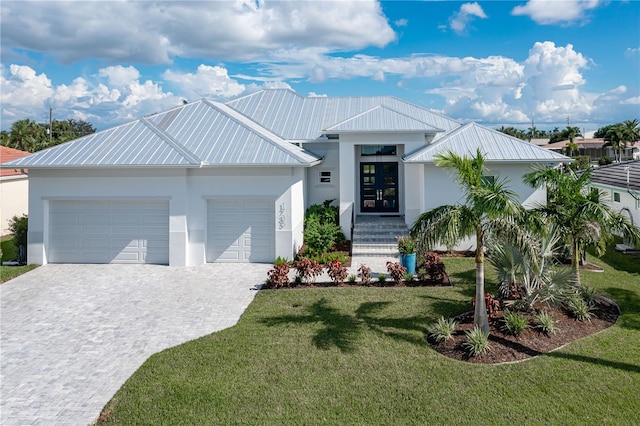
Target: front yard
358	356
8	253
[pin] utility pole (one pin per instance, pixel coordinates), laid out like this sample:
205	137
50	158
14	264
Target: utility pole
50	124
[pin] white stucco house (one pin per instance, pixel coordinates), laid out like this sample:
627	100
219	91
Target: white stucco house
620	183
14	188
213	182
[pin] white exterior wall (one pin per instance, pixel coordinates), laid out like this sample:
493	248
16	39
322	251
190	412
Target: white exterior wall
349	154
14	199
318	192
187	191
440	188
628	205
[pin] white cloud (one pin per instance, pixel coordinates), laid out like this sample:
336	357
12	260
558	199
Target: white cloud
548	12
206	82
156	32
401	22
460	20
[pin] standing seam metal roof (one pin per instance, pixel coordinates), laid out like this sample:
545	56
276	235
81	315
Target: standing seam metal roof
494	145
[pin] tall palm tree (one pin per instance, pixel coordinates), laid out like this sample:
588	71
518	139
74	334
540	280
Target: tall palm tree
488	203
616	137
577	209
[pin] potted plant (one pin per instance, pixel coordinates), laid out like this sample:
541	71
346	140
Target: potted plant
407	249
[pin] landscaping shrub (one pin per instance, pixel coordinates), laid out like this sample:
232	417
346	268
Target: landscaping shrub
604	160
546	323
477	342
514	323
321	228
364	272
432	268
382	278
307	269
396	272
18	226
278	276
337	272
442	329
579	308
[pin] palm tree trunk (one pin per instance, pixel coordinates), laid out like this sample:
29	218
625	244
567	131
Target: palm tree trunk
480	313
575	261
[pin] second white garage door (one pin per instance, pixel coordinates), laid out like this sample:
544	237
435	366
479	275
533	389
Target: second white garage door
240	231
108	232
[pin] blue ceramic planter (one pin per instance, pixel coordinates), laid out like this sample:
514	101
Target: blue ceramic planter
409	262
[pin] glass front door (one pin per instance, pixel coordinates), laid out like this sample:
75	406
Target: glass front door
379	187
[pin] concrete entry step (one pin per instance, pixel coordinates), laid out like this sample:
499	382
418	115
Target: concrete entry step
376	236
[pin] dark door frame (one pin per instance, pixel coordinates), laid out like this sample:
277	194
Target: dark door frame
379	189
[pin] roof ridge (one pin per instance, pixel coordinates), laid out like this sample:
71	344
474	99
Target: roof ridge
388	108
188	155
266	134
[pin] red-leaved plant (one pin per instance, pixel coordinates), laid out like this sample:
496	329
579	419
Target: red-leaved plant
396	271
364	272
279	276
308	269
337	272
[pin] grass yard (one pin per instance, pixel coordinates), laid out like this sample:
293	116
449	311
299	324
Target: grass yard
358	356
9	252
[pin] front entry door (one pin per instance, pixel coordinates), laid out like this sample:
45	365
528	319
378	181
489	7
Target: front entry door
379	187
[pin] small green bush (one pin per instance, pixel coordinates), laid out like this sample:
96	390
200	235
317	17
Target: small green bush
382	278
588	294
604	160
579	308
442	329
281	260
546	323
477	342
514	323
19	226
321	228
408	277
352	279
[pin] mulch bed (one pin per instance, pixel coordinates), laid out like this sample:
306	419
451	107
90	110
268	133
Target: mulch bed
507	348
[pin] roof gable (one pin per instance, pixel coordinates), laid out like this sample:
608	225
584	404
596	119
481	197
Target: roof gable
381	119
494	145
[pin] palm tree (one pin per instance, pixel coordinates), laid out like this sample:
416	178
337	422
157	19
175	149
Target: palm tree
577	209
488	204
616	137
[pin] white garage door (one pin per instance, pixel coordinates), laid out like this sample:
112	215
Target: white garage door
109	232
240	231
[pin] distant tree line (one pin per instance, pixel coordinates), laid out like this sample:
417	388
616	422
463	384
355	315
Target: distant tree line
27	135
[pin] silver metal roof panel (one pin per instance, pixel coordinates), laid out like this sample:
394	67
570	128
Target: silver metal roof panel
494	145
382	119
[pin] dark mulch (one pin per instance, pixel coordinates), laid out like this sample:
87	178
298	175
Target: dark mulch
507	348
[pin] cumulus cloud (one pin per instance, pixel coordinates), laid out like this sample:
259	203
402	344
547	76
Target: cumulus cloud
460	20
206	82
547	12
156	32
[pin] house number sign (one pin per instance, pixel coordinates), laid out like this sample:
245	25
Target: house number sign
281	216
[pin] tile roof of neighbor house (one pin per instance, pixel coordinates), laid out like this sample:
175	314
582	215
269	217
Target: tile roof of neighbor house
616	175
494	145
294	117
583	143
8	154
192	135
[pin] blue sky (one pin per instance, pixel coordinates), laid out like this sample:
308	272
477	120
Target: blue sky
497	63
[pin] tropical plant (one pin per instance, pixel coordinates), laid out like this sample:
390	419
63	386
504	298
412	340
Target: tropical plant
546	323
579	308
514	323
477	342
578	212
278	277
321	228
364	272
432	267
307	269
396	271
488	205
382	278
19	226
406	245
337	272
442	329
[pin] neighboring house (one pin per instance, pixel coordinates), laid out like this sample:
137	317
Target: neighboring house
14	188
621	184
595	148
212	182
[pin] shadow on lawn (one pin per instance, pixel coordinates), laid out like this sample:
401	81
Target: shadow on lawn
629	303
602	362
343	330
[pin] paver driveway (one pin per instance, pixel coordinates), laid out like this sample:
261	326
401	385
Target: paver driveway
72	334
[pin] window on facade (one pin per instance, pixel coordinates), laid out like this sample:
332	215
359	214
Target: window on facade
616	197
488	179
325	177
369	150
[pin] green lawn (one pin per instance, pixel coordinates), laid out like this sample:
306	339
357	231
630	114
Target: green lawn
358	356
8	253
